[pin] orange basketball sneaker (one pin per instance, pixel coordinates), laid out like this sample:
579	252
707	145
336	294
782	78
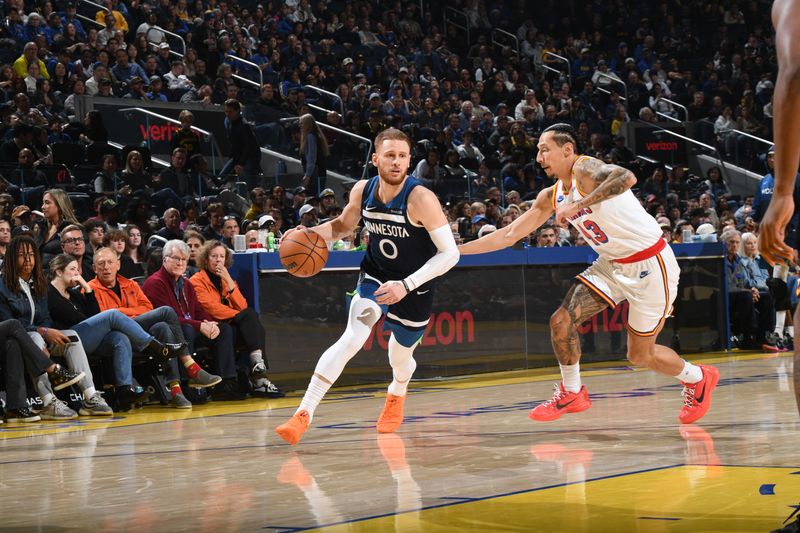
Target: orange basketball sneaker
697	396
563	401
292	430
392	414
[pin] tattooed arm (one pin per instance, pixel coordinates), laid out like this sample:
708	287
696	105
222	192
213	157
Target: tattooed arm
601	180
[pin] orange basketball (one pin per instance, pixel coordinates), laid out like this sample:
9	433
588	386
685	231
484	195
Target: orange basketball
303	253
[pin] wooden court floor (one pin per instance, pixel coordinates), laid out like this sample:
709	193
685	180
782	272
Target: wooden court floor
467	459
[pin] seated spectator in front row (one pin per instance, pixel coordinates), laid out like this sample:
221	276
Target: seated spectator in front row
169	287
220	296
23	297
745	298
21	354
113	291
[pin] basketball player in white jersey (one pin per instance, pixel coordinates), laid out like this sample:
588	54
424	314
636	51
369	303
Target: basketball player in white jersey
634	264
786	113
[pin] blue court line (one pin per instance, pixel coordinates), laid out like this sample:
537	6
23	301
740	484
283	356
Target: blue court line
657	518
481	498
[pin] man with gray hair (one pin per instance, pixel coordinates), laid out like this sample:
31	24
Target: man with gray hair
169	287
113	291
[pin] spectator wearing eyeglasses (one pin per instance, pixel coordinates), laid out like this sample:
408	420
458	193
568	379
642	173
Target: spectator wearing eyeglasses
73	243
168	287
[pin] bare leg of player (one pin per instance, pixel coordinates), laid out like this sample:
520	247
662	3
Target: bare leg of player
698	381
579	305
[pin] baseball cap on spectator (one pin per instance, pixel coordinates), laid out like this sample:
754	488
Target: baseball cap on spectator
107	205
585	50
162	46
135	79
347	61
265	220
771	150
305	209
403	69
105	81
488	228
327	192
208	15
313	200
69	5
601	63
622	44
705	229
479	218
374	95
98	64
154	79
20	211
629	60
299	190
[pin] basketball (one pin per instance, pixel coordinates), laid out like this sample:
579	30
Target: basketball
303	253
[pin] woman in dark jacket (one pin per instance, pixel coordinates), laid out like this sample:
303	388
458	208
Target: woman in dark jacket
72	304
23	284
58	214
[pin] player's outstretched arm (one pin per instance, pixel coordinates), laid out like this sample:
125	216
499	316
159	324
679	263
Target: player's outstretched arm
601	181
344	224
786	121
528	222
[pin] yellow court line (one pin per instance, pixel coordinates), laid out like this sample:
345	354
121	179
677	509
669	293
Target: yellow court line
158	414
676	498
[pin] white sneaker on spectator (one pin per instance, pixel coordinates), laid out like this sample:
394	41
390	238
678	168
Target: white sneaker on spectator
57	410
95	406
258	371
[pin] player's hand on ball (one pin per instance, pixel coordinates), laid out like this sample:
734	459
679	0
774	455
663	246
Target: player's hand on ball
390	293
291	230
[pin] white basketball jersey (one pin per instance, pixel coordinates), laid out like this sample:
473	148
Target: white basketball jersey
615	228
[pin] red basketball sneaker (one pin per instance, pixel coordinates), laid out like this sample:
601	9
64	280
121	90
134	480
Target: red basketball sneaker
392	414
562	402
697	396
292	430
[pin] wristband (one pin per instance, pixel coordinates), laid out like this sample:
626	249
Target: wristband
405	285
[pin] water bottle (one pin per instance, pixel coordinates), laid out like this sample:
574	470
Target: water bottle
270	242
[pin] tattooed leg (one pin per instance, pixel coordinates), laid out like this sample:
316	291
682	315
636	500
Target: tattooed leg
579	305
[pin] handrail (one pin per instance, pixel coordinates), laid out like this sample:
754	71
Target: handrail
159	28
89	19
681	106
619	81
606	91
343	132
250	63
104	8
504	32
290	159
564	60
461	13
660	114
155	160
245	80
745	134
329	93
210	138
548	67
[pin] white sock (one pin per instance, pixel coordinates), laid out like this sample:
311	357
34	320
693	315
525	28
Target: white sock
780	320
256	357
403	365
314	393
48	398
690	373
88	392
571	377
790	330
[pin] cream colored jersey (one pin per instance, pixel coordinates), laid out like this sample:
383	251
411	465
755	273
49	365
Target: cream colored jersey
615	228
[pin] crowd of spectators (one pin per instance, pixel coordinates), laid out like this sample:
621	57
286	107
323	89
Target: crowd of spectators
474	108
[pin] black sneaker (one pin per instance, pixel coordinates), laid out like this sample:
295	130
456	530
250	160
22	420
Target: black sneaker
129	397
23	414
162	351
228	390
258	371
61	378
788	342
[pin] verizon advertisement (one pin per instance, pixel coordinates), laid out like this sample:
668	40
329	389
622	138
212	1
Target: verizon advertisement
483	320
655	144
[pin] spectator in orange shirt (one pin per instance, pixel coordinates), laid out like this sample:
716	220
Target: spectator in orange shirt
220	296
113	291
